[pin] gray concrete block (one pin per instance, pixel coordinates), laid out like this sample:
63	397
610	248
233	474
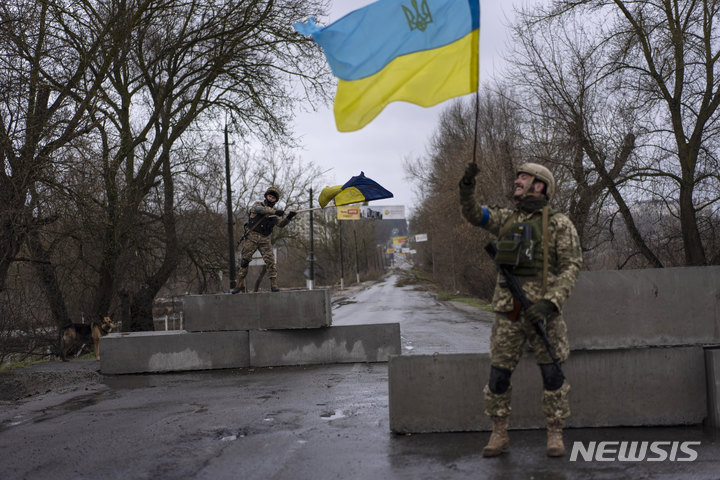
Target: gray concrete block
652	307
437	393
252	311
337	344
712	370
643	386
140	352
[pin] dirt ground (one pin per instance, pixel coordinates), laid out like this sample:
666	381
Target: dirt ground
53	376
77	374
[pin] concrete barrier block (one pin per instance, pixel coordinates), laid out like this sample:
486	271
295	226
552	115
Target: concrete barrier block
712	369
437	393
625	387
336	344
252	311
140	352
651	307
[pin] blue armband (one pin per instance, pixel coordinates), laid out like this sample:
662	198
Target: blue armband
485	216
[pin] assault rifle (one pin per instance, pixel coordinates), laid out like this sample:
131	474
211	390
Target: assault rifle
516	289
247	230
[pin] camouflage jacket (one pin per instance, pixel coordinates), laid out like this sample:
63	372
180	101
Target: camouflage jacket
563	239
269	222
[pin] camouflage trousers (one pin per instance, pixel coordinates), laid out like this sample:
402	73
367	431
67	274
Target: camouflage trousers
507	344
253	242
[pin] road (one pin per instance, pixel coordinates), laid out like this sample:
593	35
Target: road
316	422
427	326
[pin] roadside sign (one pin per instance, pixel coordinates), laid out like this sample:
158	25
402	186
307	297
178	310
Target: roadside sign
257	258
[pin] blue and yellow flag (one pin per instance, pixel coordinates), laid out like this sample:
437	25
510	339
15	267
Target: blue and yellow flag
418	51
358	189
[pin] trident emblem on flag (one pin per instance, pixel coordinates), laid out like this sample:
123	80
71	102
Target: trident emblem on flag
420	18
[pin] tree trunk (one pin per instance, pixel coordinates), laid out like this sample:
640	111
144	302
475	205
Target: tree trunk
142	302
141	318
48	278
11	240
694	250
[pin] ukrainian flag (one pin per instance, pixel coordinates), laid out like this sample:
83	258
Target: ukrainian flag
358	189
418	51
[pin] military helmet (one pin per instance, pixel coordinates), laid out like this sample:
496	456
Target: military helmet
274	191
541	173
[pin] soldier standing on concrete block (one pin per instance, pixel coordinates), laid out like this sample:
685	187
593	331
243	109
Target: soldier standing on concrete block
540	247
263	218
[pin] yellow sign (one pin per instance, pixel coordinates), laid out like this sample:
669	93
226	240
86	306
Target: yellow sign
399	240
390	250
348	213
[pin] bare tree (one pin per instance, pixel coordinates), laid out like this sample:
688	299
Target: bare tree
580	123
49	82
666	53
184	65
454	246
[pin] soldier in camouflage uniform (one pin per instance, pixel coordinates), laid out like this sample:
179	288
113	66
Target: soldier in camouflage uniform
542	249
263	218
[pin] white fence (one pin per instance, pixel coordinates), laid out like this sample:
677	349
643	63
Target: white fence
173	321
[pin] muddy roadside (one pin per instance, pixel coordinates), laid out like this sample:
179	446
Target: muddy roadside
21	383
53	376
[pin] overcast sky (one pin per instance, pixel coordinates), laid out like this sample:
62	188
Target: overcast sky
402	130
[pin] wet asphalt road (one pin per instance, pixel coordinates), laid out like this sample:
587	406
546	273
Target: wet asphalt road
315	422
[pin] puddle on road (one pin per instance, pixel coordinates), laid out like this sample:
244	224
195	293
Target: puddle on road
344	301
13	422
128	382
55	411
71	405
333	415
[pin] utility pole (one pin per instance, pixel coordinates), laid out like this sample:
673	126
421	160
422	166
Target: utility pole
452	258
311	256
357	265
342	266
231	237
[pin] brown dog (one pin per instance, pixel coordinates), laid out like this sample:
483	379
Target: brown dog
79	334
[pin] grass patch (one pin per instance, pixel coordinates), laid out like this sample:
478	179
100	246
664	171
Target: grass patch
12	365
425	282
412	277
472	301
445	296
475	302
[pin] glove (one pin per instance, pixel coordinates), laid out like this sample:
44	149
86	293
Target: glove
471	172
540	311
291	214
279	212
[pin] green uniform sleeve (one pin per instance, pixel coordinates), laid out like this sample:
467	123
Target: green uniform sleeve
487	217
569	260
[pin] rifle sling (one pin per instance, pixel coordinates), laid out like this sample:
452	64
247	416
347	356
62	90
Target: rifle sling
545	247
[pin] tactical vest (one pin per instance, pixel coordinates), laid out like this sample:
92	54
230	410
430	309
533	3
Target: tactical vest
265	225
521	247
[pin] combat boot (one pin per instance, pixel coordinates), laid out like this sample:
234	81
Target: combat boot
555	445
274	285
499	439
240	288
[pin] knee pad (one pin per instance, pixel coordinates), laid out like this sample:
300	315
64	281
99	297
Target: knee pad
244	263
499	379
553	377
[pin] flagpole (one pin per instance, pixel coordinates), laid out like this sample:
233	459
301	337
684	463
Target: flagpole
477	119
303	210
477	98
